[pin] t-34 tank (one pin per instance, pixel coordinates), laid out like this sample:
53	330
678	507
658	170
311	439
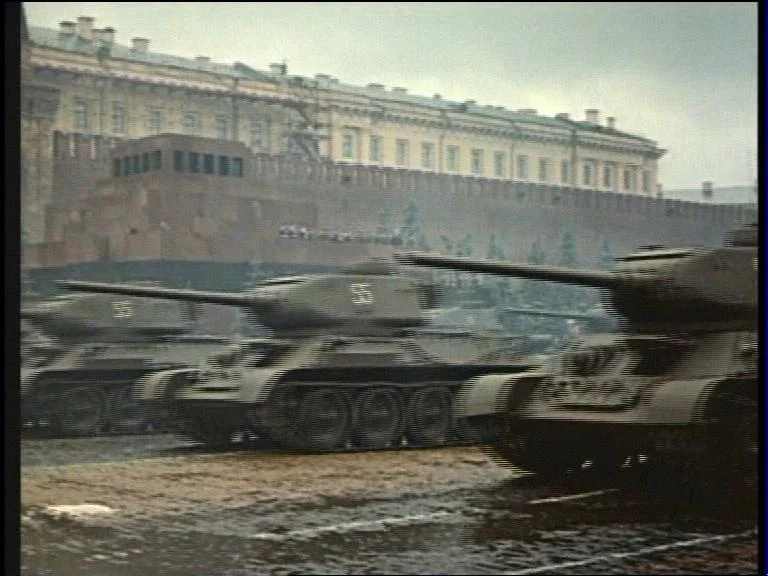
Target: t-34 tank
81	354
344	369
678	385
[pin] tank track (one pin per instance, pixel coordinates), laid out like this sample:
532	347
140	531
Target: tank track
69	404
312	417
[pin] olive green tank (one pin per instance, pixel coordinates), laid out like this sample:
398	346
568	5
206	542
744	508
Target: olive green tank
81	354
354	361
678	384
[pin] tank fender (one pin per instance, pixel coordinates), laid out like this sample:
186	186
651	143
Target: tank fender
153	386
258	384
493	393
680	401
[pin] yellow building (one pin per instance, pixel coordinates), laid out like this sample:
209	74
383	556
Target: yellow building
106	89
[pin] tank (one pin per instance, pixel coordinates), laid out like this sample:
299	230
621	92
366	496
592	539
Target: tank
677	385
81	353
348	365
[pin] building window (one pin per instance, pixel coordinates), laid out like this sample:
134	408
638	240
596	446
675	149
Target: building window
428	155
119	121
178	160
565	172
145	162
543	170
116	167
258	134
348	145
522	167
375	149
136	164
646	180
476	161
587	179
402	152
222	128
194	162
223	165
499	164
627	179
157	160
608	177
80	114
156	121
127	166
208	162
191	123
453	158
237	167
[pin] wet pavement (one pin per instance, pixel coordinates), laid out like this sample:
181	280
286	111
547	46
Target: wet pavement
161	506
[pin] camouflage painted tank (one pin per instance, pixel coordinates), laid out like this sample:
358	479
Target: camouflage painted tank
82	353
351	364
678	385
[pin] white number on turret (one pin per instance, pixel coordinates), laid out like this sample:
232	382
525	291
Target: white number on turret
361	294
122	309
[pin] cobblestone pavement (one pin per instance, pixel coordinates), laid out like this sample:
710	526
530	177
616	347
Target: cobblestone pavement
154	505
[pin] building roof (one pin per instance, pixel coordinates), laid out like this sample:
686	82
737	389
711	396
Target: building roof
722	195
52	38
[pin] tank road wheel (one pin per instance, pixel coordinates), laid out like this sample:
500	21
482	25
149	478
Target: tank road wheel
527	450
211	434
430	416
737	454
80	412
378	418
324	421
126	413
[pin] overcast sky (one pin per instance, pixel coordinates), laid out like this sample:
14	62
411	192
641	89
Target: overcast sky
683	74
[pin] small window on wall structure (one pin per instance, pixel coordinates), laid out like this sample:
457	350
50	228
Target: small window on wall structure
116	167
587	180
565	172
237	167
157	160
178	160
136	164
194	162
223	165
145	165
208	163
543	170
127	166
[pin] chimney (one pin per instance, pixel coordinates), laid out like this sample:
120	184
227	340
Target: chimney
593	116
437	97
276	69
563	116
66	28
139	45
322	77
610	122
85	27
706	190
202	59
108	35
375	86
399	90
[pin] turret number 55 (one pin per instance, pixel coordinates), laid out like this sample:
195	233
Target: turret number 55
361	294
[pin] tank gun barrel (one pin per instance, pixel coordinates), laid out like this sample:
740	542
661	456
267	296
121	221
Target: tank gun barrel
226	298
553	314
593	278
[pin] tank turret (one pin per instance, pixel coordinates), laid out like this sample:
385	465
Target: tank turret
367	298
80	317
654	290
